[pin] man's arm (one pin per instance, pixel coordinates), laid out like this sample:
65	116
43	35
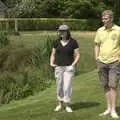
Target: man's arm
97	50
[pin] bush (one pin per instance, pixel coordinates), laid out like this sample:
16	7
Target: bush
24	71
118	21
13	33
53	23
25	82
3	39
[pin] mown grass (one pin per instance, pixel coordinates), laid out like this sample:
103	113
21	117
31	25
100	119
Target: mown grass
88	97
87	103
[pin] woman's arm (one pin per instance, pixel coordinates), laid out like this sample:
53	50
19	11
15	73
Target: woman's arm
52	58
76	56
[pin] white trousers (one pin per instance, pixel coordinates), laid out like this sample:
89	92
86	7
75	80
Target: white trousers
64	75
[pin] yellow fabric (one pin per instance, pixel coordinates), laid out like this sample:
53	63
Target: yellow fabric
109	40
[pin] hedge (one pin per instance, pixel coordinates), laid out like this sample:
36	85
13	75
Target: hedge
25	24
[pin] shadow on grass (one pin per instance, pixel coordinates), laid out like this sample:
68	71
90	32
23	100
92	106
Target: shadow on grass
84	104
118	110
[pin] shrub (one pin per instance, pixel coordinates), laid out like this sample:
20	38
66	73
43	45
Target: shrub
24	71
3	39
52	24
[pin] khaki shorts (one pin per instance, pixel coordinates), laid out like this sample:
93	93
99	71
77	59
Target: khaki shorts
109	74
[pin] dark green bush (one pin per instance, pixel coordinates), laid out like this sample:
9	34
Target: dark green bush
118	21
83	24
25	82
3	39
13	33
3	25
24	71
52	24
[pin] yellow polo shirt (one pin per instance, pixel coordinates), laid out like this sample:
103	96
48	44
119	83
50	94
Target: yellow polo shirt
109	40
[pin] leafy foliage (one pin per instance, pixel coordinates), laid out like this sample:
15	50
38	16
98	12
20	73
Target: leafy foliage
59	8
3	39
24	71
52	24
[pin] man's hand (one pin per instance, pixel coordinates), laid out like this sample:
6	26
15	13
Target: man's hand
118	58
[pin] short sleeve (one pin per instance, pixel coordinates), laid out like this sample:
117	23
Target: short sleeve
75	45
55	43
97	37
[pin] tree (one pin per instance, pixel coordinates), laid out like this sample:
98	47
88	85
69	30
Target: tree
37	8
11	3
58	8
49	8
23	9
117	10
83	9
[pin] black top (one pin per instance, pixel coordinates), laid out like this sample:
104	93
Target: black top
64	54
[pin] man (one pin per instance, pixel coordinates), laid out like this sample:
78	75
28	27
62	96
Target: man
107	53
64	57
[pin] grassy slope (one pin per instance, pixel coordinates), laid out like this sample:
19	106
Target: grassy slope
88	98
87	103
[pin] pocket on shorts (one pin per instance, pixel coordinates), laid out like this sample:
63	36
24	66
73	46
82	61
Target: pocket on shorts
98	61
57	70
115	64
70	68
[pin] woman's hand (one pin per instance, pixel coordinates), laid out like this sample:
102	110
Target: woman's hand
71	68
53	65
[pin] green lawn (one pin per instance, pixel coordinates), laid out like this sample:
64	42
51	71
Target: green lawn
30	39
87	103
88	97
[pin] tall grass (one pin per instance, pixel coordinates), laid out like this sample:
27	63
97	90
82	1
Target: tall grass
24	71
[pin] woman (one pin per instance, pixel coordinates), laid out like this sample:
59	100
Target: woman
65	55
